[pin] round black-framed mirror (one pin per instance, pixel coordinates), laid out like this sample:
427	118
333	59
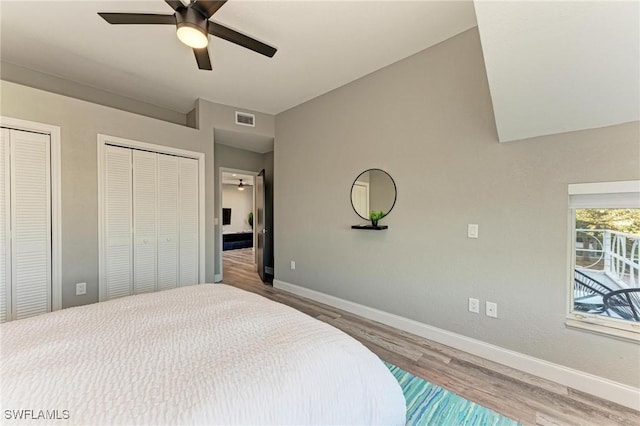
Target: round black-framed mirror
373	190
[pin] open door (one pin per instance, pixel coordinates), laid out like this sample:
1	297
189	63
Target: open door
261	231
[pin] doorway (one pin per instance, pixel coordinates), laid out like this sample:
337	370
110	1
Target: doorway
236	219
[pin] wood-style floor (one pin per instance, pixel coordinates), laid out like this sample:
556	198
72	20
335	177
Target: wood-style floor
520	396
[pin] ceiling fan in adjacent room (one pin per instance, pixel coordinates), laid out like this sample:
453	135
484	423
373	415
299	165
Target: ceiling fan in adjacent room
193	27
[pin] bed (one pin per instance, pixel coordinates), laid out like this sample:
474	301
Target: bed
205	354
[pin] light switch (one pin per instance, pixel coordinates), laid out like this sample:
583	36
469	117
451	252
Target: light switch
472	230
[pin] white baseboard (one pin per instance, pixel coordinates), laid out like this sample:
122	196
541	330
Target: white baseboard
620	393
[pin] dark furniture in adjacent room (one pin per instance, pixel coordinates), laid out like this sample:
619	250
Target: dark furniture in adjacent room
237	240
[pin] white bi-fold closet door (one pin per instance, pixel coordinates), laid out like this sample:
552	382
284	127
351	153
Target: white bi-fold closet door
151	221
25	224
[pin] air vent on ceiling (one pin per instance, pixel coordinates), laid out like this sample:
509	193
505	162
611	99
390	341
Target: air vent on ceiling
245	119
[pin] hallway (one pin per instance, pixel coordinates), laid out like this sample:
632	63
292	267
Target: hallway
239	269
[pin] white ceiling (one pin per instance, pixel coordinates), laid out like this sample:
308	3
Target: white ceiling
321	45
552	66
234	179
560	66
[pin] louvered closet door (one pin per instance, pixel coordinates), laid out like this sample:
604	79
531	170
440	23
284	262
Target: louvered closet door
144	221
30	224
168	167
118	199
188	221
5	247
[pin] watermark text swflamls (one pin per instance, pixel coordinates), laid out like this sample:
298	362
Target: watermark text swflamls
36	414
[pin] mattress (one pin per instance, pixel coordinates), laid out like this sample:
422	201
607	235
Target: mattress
205	354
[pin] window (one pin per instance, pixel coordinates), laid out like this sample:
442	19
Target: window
604	280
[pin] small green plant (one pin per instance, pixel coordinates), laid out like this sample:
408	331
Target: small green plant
375	216
250	219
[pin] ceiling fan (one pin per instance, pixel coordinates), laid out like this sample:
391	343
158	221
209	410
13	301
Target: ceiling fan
193	27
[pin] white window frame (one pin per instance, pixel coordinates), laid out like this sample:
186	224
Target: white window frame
103	141
56	199
601	324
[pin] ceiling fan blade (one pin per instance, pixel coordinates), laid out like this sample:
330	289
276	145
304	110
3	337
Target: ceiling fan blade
202	58
175	4
138	18
208	8
241	39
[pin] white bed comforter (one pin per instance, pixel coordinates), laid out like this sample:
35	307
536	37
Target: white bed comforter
206	354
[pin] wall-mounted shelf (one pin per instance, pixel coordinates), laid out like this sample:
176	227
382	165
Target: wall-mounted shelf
376	228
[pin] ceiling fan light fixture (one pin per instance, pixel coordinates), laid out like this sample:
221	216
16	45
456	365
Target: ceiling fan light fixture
241	186
192	35
193	27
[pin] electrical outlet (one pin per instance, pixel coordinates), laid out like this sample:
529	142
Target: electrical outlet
293	265
81	288
474	305
492	309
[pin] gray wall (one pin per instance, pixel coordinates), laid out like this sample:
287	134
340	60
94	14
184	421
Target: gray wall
240	159
224	117
80	122
428	121
50	83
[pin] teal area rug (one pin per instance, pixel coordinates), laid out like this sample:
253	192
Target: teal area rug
428	404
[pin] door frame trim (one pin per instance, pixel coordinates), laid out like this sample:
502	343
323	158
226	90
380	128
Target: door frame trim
218	216
103	141
56	199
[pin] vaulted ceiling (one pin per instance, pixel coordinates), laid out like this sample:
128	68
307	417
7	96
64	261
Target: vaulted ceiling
560	66
552	66
321	45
